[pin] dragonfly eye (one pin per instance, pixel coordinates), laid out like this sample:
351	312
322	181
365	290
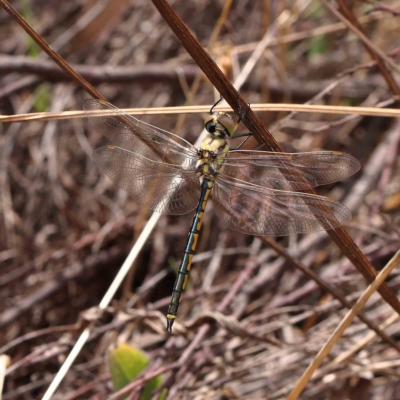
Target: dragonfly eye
220	125
227	124
210	127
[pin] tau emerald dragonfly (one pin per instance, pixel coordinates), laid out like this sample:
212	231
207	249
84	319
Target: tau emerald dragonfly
254	192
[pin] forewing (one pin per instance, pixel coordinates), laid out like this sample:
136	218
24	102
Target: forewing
161	187
258	211
285	171
147	140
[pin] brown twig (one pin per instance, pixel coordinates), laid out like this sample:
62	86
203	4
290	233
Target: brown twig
96	73
335	293
382	7
343	325
46	48
377	55
222	84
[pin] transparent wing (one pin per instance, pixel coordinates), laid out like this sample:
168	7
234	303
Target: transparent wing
258	211
162	187
147	140
284	171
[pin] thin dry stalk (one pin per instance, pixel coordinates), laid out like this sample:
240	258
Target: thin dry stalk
344	324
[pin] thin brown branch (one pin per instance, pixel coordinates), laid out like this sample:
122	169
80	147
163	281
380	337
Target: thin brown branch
382	7
215	75
342	327
377	55
262	135
49	51
335	293
96	73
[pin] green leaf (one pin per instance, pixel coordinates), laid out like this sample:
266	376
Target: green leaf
42	98
163	394
126	363
318	45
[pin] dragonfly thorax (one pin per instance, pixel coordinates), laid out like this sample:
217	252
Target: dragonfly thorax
211	153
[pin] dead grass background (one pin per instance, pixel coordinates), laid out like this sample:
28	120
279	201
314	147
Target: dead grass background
65	229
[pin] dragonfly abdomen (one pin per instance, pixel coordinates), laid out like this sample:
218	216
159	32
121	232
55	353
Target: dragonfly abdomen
186	263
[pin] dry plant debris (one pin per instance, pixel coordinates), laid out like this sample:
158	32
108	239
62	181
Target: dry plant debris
65	229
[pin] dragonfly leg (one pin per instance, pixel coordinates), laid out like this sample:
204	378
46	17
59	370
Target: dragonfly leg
238	135
241	113
215	104
259	147
247	135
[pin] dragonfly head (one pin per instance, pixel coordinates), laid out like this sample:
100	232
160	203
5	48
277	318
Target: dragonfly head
220	124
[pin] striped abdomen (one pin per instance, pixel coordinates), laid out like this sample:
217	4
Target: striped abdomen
186	263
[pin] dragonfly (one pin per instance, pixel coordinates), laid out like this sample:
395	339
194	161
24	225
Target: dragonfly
255	192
